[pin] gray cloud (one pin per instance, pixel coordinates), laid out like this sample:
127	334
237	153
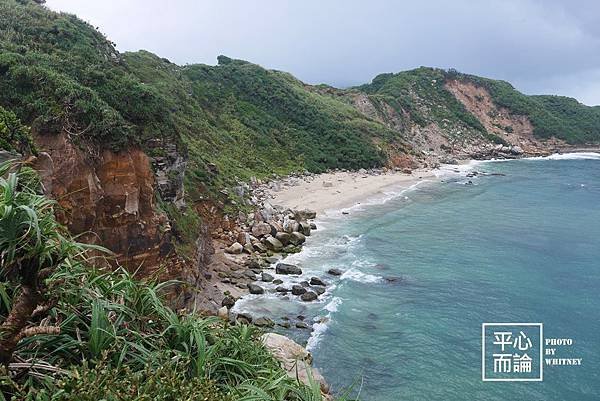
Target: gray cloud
540	46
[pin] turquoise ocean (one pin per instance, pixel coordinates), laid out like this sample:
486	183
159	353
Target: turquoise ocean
426	266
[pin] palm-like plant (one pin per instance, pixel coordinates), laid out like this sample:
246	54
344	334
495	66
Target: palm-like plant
32	245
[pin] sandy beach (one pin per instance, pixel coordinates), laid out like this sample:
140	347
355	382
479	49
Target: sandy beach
330	191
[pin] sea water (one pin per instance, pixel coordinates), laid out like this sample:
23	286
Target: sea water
425	267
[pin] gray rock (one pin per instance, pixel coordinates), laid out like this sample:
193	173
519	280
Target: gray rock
264	322
304	227
282	289
285	268
335	272
317	281
277	281
250	274
273	243
223	313
319	290
266	277
236	248
308	296
283	237
301	325
298	290
244	318
313	226
305	214
297	238
255	289
228	301
260	229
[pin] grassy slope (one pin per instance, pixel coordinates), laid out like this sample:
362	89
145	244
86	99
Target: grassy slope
421	93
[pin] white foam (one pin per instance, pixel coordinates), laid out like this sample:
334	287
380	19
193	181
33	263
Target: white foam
332	306
356	275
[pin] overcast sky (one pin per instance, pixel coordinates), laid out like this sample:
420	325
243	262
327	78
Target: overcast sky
541	47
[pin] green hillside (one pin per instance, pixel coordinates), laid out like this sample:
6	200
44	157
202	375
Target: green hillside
552	116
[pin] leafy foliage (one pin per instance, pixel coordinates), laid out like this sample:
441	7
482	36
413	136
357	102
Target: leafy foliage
14	136
113	336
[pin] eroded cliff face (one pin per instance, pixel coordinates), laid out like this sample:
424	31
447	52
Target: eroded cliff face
108	201
514	129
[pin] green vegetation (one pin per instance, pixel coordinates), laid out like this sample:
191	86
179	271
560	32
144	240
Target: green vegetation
421	94
71	332
551	116
58	74
14	136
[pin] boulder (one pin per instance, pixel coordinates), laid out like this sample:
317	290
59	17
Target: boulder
255	289
285	268
275	228
244	318
298	290
289	226
313	226
260	229
249	274
317	281
277	281
249	248
516	150
295	360
228	301
266	277
297	238
236	248
282	289
304	227
223	313
305	214
264	322
273	243
301	325
319	290
283	237
308	296
335	272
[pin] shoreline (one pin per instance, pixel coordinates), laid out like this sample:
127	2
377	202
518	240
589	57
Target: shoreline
326	192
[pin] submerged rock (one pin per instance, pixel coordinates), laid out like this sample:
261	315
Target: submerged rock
335	272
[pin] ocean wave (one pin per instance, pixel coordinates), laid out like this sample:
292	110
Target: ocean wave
572	156
356	275
322	323
332	306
